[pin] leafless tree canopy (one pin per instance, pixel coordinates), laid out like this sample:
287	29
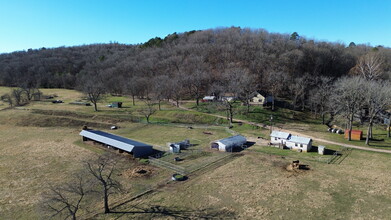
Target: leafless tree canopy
102	169
67	199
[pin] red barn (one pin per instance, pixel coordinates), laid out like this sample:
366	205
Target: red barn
356	134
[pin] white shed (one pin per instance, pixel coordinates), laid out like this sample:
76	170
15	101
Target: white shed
227	144
299	143
279	137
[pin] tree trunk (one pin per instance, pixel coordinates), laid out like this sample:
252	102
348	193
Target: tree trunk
95	106
369	131
177	103
159	105
231	115
350	128
323	120
197	101
147	117
248	107
273	104
389	129
133	100
106	201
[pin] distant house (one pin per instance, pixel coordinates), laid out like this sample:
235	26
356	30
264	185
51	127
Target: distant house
137	149
211	98
227	97
279	137
228	144
299	143
261	98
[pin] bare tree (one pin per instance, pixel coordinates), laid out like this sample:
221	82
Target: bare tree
177	88
102	169
161	88
348	98
248	85
148	109
376	98
320	96
67	200
17	95
197	83
134	87
275	82
93	86
7	98
369	66
229	88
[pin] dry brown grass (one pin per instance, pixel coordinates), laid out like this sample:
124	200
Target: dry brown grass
30	160
257	186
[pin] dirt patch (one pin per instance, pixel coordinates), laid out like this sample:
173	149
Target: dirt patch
140	171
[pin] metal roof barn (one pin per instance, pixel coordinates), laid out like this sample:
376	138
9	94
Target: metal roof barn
227	144
136	148
280	134
300	140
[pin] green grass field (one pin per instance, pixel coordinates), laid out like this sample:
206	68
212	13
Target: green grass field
41	145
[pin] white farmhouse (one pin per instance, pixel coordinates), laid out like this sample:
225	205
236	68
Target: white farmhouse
261	98
279	137
298	143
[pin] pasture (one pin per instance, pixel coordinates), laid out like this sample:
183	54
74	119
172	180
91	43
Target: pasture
41	146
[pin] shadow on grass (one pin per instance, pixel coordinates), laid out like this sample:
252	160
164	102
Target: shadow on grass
158	211
326	151
245	146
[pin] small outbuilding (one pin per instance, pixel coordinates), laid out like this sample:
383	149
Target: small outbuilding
137	149
279	137
302	144
321	149
228	144
356	134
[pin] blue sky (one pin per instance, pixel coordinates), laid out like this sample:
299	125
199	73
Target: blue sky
34	24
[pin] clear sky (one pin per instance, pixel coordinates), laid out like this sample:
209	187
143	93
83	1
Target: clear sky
34	24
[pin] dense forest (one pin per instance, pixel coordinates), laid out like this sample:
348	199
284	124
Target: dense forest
193	64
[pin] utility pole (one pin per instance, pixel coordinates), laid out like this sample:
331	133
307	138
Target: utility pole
271	123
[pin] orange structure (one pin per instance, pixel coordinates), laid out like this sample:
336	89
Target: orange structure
356	134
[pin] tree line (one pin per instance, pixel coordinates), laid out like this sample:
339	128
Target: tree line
193	64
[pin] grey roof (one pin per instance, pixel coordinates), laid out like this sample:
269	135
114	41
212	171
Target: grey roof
280	134
114	140
233	140
299	140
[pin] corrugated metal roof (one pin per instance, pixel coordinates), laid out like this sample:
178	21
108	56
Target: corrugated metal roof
113	140
300	140
233	140
280	134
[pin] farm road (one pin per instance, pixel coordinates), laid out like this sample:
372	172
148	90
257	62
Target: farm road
295	133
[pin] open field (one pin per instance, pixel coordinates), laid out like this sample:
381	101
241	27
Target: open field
41	146
257	186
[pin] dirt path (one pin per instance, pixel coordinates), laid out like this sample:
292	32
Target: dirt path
295	133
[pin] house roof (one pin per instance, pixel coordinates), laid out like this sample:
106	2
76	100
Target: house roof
354	131
280	134
233	140
209	97
113	140
228	95
299	140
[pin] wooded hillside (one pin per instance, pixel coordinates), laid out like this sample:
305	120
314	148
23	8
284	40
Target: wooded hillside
181	58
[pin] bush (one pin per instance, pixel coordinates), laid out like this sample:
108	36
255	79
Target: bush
144	161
